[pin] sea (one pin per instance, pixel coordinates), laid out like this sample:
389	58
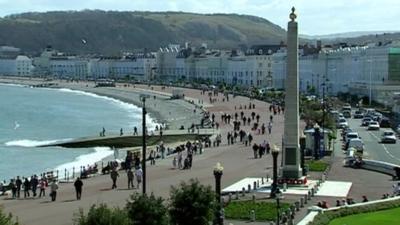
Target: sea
30	117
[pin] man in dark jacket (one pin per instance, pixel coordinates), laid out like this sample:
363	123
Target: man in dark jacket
78	188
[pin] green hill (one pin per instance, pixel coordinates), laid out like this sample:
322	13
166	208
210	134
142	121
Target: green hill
110	32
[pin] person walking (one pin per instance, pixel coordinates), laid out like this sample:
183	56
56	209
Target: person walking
42	187
139	175
27	187
13	188
114	175
130	179
269	128
78	188
34	184
53	190
18	184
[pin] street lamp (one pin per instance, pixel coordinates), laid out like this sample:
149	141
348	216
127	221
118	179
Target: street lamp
143	99
278	196
274	187
218	171
316	141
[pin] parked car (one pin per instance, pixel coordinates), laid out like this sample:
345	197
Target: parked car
356	143
389	137
347	114
351	135
342	123
358	115
373	125
365	121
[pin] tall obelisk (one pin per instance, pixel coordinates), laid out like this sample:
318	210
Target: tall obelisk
291	155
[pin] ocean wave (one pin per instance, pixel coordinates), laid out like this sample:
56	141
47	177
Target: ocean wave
133	110
13	85
99	154
33	143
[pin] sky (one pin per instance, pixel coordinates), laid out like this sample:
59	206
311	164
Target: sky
315	17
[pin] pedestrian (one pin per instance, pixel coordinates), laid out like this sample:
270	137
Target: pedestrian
174	163
135	133
53	190
42	187
27	187
114	175
13	188
18	183
34	184
271	118
139	175
269	128
130	179
121	132
78	188
255	150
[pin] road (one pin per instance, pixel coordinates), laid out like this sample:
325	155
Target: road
373	148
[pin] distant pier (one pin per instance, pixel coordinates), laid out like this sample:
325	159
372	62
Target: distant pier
126	141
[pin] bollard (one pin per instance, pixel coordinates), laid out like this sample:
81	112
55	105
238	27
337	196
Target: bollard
297	205
254	185
252	215
284	186
230	197
73	172
253	197
302	202
243	192
248	188
305	199
312	192
258	183
262	180
267	177
309	195
237	195
65	174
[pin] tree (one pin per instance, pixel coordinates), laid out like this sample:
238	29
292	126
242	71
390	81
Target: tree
192	203
147	210
102	215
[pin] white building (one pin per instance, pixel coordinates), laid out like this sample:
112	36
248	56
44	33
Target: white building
68	67
16	66
140	68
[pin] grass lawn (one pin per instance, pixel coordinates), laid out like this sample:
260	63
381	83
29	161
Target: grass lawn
318	166
265	211
385	217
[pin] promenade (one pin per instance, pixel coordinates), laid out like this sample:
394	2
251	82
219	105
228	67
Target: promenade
237	160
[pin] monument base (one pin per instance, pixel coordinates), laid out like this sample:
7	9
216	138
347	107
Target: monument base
302	181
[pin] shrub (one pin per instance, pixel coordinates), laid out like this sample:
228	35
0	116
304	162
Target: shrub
147	210
102	215
265	211
192	203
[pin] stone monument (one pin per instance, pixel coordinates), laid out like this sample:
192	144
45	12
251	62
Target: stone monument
291	171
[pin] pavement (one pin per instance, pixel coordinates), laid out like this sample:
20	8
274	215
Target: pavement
237	160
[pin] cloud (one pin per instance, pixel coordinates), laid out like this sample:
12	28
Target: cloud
314	16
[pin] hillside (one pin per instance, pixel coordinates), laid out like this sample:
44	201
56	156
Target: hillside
110	32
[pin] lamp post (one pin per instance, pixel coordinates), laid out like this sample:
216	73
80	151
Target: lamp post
316	141
274	187
218	171
143	99
278	195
